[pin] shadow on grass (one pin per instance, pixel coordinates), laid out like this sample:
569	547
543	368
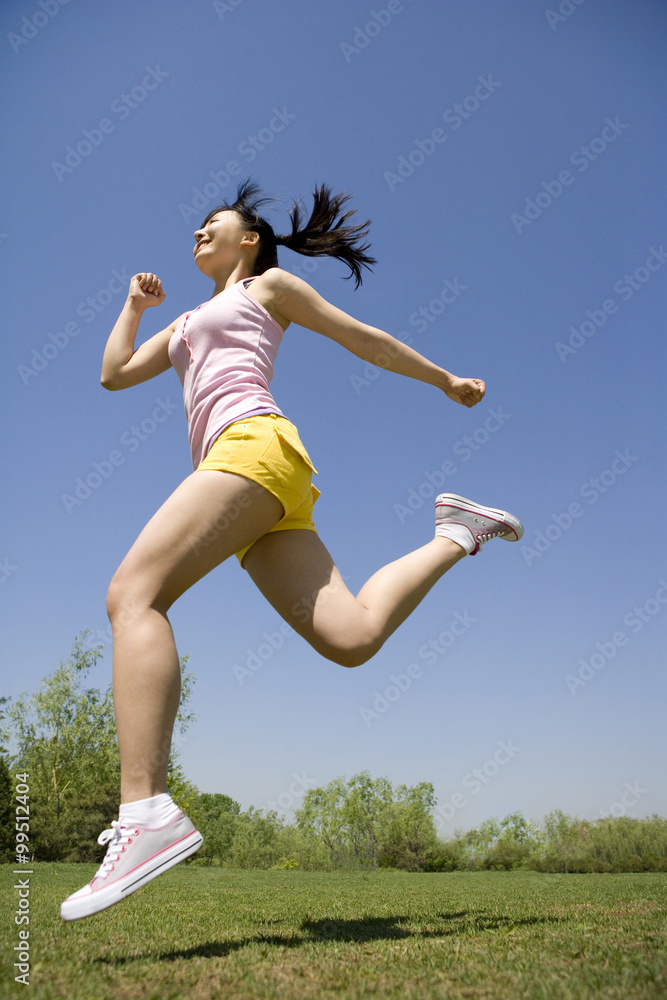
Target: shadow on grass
364	929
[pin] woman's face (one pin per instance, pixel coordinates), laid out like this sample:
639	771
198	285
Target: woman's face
219	242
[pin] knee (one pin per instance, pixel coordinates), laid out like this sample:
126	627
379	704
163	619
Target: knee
352	656
349	645
126	598
117	597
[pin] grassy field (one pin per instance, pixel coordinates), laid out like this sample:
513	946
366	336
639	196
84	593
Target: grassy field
208	933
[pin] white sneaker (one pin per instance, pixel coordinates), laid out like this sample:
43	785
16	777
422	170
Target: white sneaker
136	854
470	525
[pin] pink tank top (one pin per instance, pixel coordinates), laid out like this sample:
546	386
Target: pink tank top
224	352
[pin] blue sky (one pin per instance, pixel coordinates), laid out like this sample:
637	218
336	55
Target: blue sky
511	157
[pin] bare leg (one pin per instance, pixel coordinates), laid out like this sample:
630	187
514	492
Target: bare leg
295	572
209	517
394	591
147	690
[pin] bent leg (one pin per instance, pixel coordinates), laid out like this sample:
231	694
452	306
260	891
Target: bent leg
296	574
209	517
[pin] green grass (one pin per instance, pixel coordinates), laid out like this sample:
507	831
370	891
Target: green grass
208	933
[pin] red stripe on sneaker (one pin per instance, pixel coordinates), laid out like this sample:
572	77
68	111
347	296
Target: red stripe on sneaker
170	861
475	513
148	860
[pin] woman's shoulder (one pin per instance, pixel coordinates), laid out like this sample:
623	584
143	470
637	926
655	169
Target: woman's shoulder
269	289
275	279
279	286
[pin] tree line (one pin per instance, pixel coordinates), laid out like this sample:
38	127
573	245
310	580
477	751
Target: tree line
64	737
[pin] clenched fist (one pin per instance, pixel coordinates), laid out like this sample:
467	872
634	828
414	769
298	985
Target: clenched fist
146	290
466	391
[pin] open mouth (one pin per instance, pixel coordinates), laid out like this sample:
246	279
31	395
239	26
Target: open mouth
199	246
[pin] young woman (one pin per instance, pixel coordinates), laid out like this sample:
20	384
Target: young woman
251	494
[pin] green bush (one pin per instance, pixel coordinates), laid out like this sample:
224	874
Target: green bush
7	831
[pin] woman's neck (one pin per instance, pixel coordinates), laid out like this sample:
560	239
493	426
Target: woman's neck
224	281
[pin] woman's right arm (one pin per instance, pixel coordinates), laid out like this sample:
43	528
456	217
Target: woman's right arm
297	302
122	366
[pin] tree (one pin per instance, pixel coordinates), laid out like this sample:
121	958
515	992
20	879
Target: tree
6	813
65	735
515	843
257	841
4	733
320	816
65	738
6	795
364	819
411	840
216	818
480	841
366	813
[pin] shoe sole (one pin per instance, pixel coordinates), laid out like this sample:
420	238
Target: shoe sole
102	899
462	503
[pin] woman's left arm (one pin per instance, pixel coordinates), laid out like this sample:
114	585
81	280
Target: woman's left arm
299	303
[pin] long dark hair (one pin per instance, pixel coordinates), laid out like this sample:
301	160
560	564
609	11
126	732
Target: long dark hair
322	234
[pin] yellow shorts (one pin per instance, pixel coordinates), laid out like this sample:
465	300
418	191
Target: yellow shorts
267	449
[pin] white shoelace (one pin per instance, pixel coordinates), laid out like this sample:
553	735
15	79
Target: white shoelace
121	836
484	536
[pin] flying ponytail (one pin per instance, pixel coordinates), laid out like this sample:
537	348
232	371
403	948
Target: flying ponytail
323	234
